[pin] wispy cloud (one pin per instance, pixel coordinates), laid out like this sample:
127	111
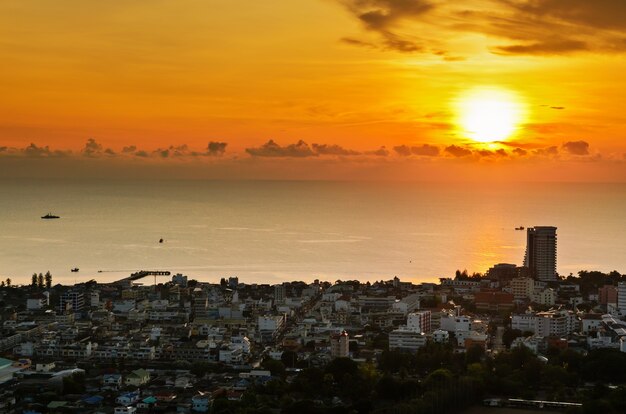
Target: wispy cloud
521	27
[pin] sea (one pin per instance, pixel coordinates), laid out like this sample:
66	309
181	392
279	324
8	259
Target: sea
275	231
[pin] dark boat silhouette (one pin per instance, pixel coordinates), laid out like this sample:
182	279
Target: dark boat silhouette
160	240
519	228
75	269
50	216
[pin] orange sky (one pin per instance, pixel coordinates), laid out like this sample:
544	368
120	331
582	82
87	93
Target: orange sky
351	76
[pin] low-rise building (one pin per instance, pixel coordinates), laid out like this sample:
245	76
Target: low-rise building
137	378
406	339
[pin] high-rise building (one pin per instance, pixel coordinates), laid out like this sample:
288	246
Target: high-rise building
419	321
200	303
71	300
540	255
279	293
607	294
621	297
339	345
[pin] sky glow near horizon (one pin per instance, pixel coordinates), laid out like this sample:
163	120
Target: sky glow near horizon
351	89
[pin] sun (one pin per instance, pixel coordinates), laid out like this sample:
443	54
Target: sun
489	114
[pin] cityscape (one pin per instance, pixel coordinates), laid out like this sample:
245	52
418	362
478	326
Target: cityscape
157	342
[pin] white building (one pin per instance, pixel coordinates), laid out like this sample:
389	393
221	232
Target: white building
125	410
94	299
406	339
550	323
522	287
279	293
269	326
441	336
532	342
546	297
419	321
36	302
453	323
340	345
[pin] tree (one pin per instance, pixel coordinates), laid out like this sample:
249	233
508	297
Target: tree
289	358
33	282
8	282
40	281
48	278
74	384
276	368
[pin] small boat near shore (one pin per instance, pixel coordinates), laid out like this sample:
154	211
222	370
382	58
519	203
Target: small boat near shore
49	216
519	228
75	269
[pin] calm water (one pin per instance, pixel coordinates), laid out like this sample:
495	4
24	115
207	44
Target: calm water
274	231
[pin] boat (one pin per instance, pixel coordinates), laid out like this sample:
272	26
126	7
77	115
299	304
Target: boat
50	216
160	240
519	228
75	269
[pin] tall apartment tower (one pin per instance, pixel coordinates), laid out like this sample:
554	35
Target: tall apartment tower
280	292
621	297
419	321
339	345
540	255
71	300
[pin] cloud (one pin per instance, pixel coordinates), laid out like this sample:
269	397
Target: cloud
424	149
333	149
487	153
546	152
93	149
380	152
520	152
383	17
129	149
554	47
528	27
33	150
215	148
458	151
272	149
173	151
403	150
577	147
600	14
356	42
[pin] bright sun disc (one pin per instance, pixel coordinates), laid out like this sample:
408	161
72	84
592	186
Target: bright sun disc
487	115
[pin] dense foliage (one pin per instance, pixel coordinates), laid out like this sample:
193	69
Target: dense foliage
438	380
